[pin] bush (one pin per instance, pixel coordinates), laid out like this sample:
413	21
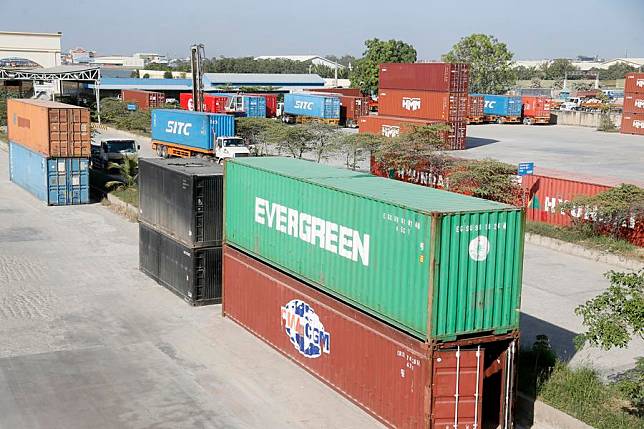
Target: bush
115	112
489	179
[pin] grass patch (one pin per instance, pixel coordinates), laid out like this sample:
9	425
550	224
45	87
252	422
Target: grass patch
127	195
581	393
586	239
4	137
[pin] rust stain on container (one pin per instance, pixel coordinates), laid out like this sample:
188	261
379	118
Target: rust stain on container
401	381
49	128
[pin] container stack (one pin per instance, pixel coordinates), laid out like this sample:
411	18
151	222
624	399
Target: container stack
49	150
403	298
421	93
180	226
633	113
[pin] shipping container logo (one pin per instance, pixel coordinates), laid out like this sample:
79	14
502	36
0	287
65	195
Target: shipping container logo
638	124
177	127
639	103
489	104
479	248
390	131
640	83
305	330
411	103
304	105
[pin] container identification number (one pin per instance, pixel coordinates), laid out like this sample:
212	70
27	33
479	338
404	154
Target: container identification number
481	227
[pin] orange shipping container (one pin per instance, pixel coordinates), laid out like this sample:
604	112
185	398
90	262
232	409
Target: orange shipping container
634	103
391	126
49	128
634	83
633	123
146	100
443	106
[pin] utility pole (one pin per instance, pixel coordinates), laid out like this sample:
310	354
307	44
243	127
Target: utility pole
197	55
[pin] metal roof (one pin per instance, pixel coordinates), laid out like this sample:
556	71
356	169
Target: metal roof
262	79
138	83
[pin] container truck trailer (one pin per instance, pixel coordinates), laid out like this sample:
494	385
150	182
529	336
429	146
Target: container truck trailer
183	134
536	110
502	109
304	107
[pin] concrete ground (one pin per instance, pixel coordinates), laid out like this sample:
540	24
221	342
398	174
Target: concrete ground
578	150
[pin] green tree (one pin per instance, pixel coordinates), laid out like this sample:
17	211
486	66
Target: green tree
528	73
490	63
489	179
535	83
324	139
357	147
558	68
615	316
128	171
167	74
615	71
293	140
364	74
135	73
413	148
253	131
146	76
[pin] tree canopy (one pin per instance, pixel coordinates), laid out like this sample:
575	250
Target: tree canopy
364	74
490	63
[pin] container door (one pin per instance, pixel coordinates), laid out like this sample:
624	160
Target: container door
508	389
56	178
457	389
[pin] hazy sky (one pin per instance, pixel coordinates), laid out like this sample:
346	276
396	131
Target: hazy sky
563	28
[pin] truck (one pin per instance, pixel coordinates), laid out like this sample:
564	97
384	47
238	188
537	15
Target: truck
112	151
536	110
303	107
184	134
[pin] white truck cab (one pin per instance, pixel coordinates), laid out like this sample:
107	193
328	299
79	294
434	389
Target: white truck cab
230	147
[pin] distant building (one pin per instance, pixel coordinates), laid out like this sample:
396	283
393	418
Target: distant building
152	58
80	56
585	63
314	59
20	48
119	60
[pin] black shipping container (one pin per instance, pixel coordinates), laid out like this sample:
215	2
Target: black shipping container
183	197
192	273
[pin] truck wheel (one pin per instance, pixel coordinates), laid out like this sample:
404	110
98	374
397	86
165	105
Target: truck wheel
499	121
159	151
164	152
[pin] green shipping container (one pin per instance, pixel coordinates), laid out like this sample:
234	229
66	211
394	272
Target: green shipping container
436	264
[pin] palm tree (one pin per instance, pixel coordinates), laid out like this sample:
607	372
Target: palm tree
128	170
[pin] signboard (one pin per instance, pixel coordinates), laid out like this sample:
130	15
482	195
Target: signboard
526	168
131	106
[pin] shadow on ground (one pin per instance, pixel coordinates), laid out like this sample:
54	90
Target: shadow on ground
561	339
473	142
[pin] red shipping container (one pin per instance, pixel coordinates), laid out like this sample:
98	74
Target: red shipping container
146	100
634	103
443	106
352	109
634	83
211	103
271	104
475	104
442	77
391	126
632	123
400	380
536	107
353	92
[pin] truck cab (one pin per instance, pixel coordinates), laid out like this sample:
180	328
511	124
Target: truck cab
230	147
112	151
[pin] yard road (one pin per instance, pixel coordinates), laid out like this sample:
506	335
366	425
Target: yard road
579	150
87	341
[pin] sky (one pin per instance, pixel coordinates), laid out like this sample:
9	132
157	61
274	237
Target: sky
532	30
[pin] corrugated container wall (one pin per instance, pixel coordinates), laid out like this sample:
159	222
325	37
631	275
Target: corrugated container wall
634	83
55	181
352	109
49	128
254	106
634	103
502	105
443	106
442	77
536	107
192	273
632	123
375	243
146	100
396	378
317	106
475	105
271	104
545	193
211	103
191	129
390	126
183	198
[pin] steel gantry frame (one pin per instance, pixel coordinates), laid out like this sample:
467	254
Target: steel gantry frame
88	74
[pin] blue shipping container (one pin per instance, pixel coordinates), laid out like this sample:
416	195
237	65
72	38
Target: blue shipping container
317	106
56	181
192	129
501	105
254	106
